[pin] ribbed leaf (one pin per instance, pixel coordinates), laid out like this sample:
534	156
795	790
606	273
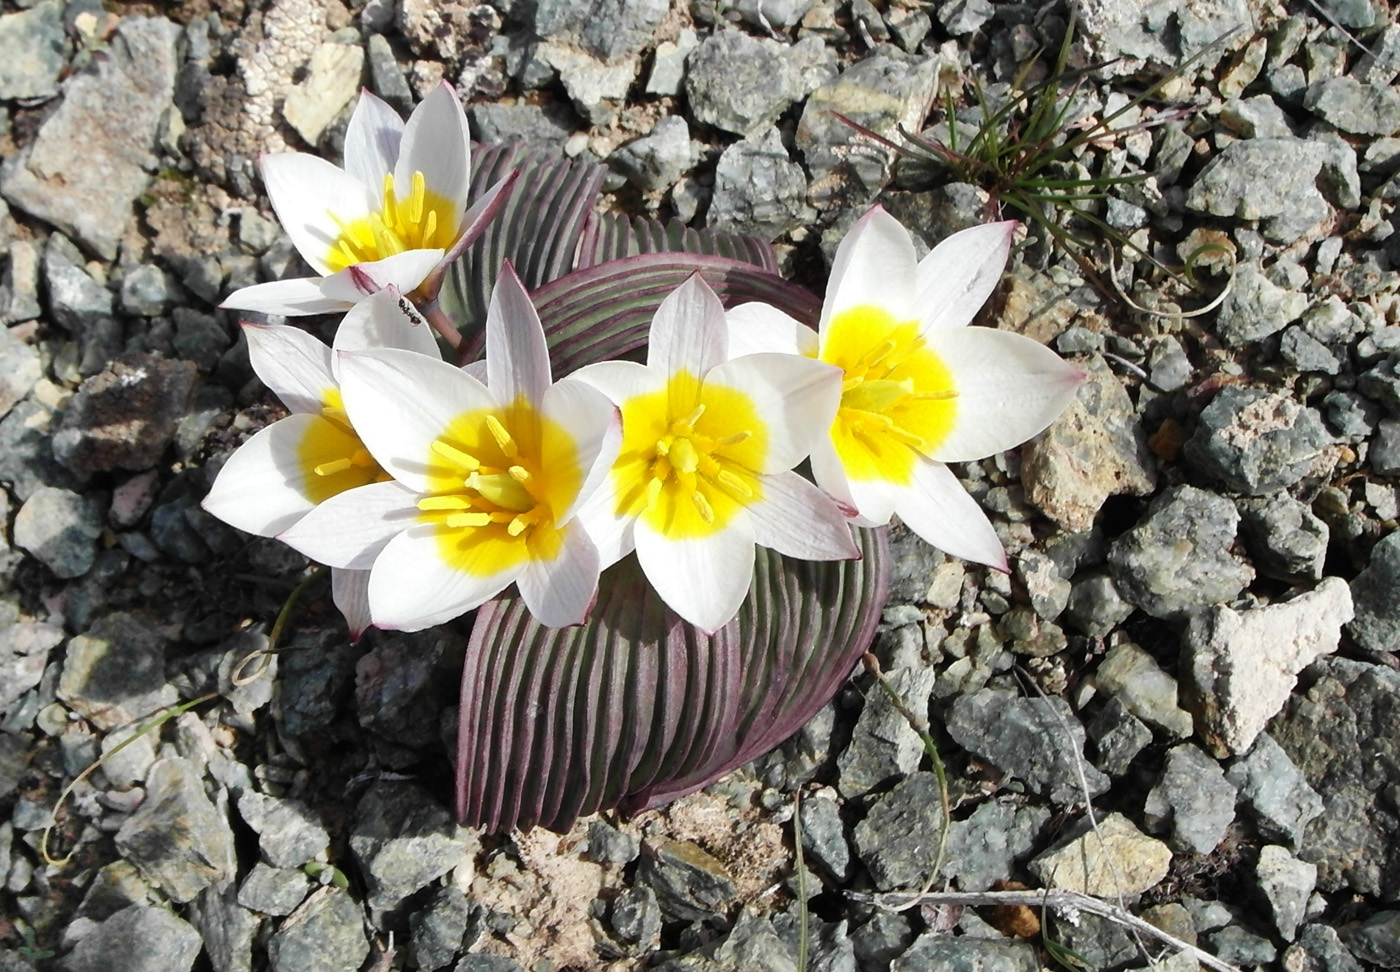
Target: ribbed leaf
636	708
612	236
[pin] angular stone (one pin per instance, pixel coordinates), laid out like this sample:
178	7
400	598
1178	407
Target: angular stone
883	743
1037	741
115	672
1319	949
177	839
988	845
1119	736
326	934
1275	791
125	417
1376	595
1178	559
1258	178
273	890
33	51
227	929
1255	442
137	939
403	840
1133	677
60	528
690	885
936	950
594	87
1284	537
658	159
758	190
1344	735
1287	884
332	80
24	653
439	930
1124	862
1354	107
1193	799
1376	940
609	29
1094	450
824	836
93	156
898	839
1240	667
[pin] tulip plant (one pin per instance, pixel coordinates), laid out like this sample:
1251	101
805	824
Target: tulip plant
616	490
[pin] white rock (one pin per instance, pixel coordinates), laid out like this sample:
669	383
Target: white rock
1239	667
332	81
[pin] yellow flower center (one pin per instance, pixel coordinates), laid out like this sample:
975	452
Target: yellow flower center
499	480
423	220
690	458
898	399
331	456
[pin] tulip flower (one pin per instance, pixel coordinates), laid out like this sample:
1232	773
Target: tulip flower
704	469
485	479
920	388
391	217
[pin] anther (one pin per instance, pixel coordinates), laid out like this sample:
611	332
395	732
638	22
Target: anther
653	493
519	524
332	467
434	504
734	484
702	505
519	473
454	455
694	417
734	439
502	437
460	520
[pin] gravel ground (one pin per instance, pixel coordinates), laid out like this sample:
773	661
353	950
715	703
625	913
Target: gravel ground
1200	635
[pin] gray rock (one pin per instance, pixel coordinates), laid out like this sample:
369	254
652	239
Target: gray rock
400	690
1354	107
1352	415
1178	559
403	840
608	845
75	299
1319	949
752	944
741	84
1096	449
1306	353
1193	799
177	839
824	836
1381	62
1119	736
1037	741
136	939
1276	793
93	156
200	338
60	528
881	93
658	159
758	190
771	15
439	930
595	87
1376	940
883	743
987	846
1257	117
1385	448
540	125
24	653
125	417
146	291
609	29
690	885
1256	307
487	963
385	77
317	675
935	950
1287	884
1284	538
1133	677
1100	942
898	839
1382	382
1239	668
33	52
1116	860
668	63
115	887
326	934
1095	607
115	672
1344	734
1376	595
19	286
329	83
1263	178
963	17
635	917
1241	947
273	890
26	451
1256	442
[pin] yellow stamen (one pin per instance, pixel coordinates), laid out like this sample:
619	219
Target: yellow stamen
653	493
702	506
333	467
429	504
694	417
734	484
502	437
734	439
519	524
683	456
519	473
460	520
454	455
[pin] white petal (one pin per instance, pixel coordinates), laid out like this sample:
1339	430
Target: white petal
594	424
755	328
875	265
350	592
290	298
960	273
372	140
830	475
381	322
874	499
796	397
399	402
261	489
351	528
797	519
936	507
561	591
1009	389
404	271
621	380
436	142
517	358
292	363
411	587
477	369
612	534
703	580
688	331
306	191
